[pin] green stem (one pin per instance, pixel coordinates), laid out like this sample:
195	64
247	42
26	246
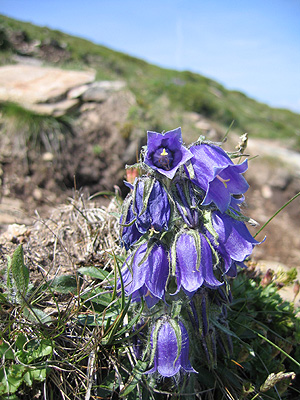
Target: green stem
277	212
278	348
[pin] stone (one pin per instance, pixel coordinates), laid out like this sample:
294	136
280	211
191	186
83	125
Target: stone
99	91
56	109
48	157
14	231
32	84
280	179
76	92
266	192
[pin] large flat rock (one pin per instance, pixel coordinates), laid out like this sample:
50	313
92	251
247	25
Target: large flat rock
29	84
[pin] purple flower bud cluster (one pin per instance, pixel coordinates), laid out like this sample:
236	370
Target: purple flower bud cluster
185	234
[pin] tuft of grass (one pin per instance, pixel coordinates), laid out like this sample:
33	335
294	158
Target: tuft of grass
32	130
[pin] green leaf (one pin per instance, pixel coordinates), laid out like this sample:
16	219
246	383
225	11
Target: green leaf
64	284
94	272
6	351
97	296
38	348
35	374
19	273
134	378
21	340
36	315
12	379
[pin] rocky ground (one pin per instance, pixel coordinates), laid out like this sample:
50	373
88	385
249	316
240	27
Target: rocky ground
90	154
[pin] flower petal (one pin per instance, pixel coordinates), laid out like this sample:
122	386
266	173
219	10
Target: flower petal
188	275
206	265
167	351
165	152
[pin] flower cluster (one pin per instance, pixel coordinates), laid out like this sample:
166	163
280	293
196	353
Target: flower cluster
185	234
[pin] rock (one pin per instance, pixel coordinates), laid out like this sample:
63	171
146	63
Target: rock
76	92
13	231
281	179
266	192
203	125
48	157
56	109
99	91
31	84
11	212
37	194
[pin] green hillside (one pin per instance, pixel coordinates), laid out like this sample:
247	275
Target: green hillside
159	91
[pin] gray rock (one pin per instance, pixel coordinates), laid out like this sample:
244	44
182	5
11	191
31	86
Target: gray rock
56	109
99	91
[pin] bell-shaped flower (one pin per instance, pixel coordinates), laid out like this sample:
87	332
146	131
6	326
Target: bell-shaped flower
235	242
165	152
146	277
170	358
194	263
156	212
217	175
144	211
129	231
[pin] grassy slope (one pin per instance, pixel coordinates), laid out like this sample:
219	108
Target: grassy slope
184	90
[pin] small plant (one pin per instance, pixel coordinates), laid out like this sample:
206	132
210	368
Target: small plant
187	239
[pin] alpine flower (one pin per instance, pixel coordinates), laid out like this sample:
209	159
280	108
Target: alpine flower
165	152
146	278
140	217
217	175
167	361
235	242
157	212
193	269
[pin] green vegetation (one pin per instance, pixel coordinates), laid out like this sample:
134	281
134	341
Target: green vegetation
32	130
185	91
81	348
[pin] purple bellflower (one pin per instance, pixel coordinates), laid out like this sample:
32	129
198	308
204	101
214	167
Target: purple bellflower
235	242
140	219
167	362
147	279
193	271
130	233
165	152
157	213
217	175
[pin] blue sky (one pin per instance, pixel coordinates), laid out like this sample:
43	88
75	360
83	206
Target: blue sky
249	45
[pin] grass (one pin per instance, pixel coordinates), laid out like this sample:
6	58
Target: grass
32	130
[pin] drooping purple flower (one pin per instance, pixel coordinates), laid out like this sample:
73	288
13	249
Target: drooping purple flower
129	232
157	212
217	175
147	279
235	242
140	219
166	360
165	152
193	270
